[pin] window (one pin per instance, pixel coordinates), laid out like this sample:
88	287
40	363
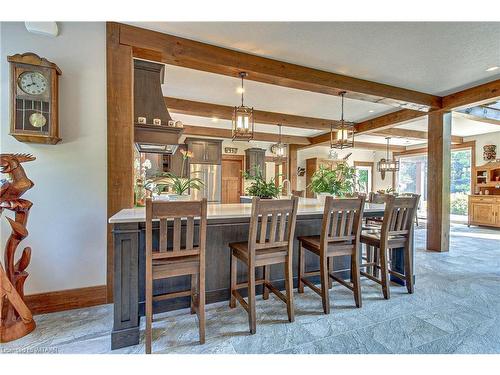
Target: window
364	176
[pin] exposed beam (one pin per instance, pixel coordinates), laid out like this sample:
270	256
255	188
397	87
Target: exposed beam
225	112
205	131
188	53
324	139
483	112
476	118
477	95
388	121
411	134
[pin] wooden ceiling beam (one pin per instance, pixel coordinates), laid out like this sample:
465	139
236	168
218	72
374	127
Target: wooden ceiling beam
204	131
388	121
477	118
324	139
188	53
411	134
474	96
224	112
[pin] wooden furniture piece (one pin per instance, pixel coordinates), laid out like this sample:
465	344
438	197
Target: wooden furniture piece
16	319
176	257
255	158
232	178
34	111
340	233
270	241
205	151
298	193
396	232
484	209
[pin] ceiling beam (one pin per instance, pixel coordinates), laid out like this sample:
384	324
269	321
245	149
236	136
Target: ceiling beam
324	139
388	121
204	131
477	118
225	112
188	53
474	96
411	134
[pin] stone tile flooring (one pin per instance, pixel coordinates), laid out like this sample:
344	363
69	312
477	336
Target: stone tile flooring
455	309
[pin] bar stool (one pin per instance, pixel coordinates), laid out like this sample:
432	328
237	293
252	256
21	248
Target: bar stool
270	241
340	233
396	232
171	259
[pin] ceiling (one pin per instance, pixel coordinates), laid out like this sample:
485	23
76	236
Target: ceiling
436	58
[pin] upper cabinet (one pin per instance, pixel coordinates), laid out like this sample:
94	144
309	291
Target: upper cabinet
255	158
205	151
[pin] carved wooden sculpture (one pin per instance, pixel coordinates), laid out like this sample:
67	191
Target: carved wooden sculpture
16	319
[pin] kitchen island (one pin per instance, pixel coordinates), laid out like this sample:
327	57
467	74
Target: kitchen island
226	223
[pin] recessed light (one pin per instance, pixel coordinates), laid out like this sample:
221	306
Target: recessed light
215	119
371	111
492	68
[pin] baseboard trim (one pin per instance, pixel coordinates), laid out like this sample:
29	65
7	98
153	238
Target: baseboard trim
68	299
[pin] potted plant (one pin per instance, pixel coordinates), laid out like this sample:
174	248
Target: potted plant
259	187
179	184
339	181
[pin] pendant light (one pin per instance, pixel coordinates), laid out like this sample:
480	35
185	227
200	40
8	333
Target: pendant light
279	149
344	132
243	124
387	164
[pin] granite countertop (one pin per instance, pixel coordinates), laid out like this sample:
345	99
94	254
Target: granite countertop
307	206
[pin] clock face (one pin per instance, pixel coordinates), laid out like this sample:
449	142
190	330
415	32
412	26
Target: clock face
32	83
37	120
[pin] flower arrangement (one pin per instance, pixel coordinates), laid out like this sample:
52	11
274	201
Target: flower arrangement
259	187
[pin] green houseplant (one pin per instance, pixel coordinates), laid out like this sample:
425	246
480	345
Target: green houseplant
339	181
259	187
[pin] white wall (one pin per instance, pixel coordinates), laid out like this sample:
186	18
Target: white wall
67	224
481	141
357	155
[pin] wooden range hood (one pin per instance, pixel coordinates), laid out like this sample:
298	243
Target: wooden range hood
149	103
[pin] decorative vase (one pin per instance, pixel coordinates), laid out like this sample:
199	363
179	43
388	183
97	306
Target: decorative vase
490	153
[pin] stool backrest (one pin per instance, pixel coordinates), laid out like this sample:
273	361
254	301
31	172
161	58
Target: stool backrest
342	220
277	214
176	211
399	215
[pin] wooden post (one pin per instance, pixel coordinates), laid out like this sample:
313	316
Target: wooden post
438	181
120	136
292	166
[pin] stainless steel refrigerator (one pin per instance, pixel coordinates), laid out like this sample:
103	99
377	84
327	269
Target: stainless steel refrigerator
211	176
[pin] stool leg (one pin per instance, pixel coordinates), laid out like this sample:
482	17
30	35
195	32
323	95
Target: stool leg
408	261
149	311
376	260
355	276
384	271
194	281
201	304
323	268
289	290
300	286
234	271
330	269
369	258
267	271
251	299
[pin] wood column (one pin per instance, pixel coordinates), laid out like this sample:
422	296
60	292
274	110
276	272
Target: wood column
438	181
292	166
120	137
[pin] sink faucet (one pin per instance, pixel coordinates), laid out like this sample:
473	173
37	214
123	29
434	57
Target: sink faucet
289	192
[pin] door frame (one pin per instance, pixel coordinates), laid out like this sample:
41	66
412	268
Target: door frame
370	164
241	159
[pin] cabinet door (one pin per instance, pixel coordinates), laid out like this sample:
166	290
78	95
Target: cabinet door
199	152
484	213
497	215
213	152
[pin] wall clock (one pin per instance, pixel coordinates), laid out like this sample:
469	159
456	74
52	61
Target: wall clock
34	99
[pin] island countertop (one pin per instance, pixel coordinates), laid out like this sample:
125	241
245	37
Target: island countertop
233	211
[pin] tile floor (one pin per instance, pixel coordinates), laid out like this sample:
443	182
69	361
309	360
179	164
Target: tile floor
455	309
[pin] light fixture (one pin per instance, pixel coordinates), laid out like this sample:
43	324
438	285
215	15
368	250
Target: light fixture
387	164
493	68
344	137
279	149
243	124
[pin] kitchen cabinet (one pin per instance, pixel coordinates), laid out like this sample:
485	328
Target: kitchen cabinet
205	151
255	158
484	210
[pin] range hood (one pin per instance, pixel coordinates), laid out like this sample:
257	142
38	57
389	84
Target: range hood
150	104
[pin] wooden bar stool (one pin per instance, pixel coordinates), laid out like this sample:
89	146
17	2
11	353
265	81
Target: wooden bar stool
176	260
340	232
396	232
270	241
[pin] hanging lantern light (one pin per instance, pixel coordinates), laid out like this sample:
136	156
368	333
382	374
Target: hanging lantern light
342	135
387	164
243	124
279	149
